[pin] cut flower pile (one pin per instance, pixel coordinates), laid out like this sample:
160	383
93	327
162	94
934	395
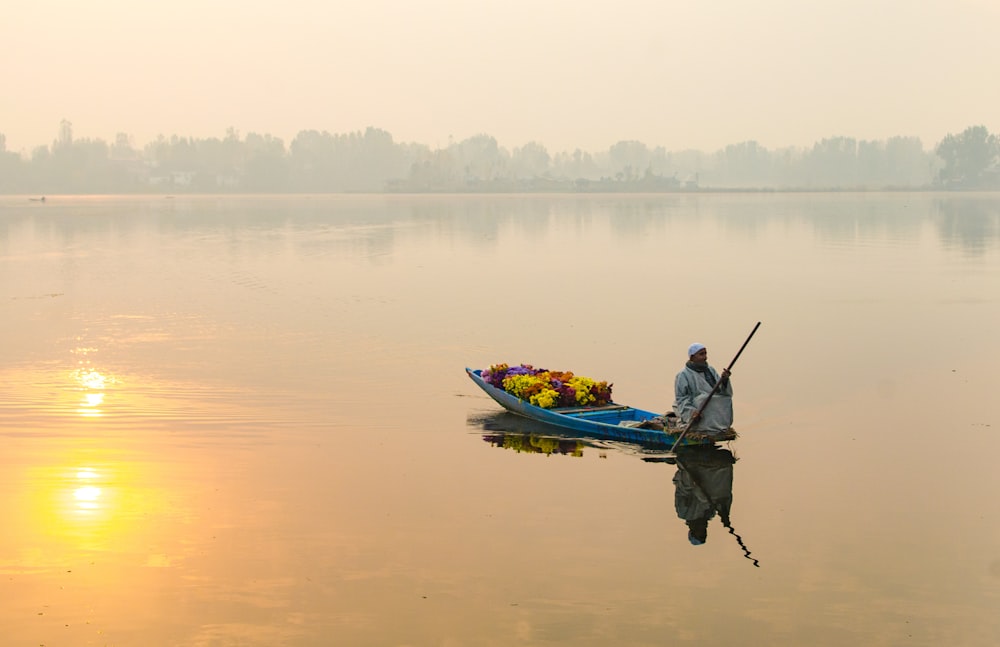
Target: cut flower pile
548	389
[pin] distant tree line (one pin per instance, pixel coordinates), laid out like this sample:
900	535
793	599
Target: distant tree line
371	161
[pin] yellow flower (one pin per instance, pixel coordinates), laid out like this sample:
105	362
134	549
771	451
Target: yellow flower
582	387
547	399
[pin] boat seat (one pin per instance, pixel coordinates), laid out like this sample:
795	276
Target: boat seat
606	407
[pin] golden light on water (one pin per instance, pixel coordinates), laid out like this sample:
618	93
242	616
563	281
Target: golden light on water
89	500
85	505
94	384
91	379
87	493
87	497
82	506
93	399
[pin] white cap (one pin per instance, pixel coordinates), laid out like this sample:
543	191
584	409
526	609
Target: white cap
694	348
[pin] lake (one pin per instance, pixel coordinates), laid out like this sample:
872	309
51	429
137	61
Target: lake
245	420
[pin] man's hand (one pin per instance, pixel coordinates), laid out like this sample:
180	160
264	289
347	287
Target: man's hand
726	373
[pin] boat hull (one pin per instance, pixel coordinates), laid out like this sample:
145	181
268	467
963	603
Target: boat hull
610	422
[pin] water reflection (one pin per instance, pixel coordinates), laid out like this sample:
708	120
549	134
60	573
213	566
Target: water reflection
533	444
703	490
372	227
87	496
509	431
93	385
703	482
74	507
171	438
972	225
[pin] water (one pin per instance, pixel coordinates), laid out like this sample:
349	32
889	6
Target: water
245	420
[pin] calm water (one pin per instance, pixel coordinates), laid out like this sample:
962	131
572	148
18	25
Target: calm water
245	421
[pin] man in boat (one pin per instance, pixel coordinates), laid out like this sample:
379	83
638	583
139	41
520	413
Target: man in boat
693	385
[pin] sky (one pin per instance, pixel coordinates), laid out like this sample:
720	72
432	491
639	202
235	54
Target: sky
570	75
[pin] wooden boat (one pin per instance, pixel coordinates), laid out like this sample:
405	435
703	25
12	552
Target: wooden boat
610	422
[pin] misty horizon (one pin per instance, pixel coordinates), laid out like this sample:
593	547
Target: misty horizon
372	161
230	131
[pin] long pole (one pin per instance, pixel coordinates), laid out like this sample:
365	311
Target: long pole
718	383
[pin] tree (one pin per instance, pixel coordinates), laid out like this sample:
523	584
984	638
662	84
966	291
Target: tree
265	168
578	165
970	159
122	148
12	168
480	158
65	135
908	163
833	162
310	159
745	164
629	160
530	161
375	160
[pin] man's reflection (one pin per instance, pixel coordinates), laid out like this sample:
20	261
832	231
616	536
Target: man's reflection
703	488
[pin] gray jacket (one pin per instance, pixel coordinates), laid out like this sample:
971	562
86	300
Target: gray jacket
690	390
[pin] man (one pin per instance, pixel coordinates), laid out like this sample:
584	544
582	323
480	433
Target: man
692	386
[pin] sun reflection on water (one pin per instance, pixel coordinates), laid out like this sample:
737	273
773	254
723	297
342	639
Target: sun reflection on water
91	379
87	496
93	383
88	506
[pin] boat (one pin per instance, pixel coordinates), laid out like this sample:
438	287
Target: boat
610	421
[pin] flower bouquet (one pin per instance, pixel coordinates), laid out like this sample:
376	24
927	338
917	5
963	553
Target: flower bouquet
548	389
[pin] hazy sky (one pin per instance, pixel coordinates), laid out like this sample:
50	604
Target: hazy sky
569	74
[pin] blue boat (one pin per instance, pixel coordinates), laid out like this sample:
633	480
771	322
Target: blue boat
611	421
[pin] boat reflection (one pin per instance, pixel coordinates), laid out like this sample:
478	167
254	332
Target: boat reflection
510	431
535	444
703	490
703	482
522	435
